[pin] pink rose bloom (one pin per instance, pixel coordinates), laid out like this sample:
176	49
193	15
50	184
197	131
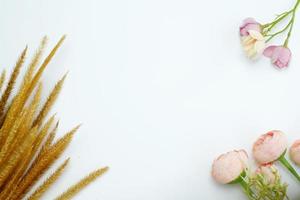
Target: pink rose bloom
249	24
269	147
269	172
229	166
280	56
295	152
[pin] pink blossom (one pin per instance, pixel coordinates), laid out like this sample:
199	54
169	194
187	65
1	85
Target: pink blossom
269	172
295	152
269	147
280	56
229	166
249	24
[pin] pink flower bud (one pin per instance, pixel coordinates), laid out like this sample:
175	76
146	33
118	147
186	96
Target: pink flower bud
280	56
249	24
295	152
229	166
269	172
269	147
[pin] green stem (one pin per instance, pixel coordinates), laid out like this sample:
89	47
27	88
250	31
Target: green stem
287	165
292	24
269	26
286	42
297	4
281	31
247	189
276	21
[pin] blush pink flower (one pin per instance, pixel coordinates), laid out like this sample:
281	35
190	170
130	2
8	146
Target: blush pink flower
280	56
269	147
249	24
295	152
229	166
269	172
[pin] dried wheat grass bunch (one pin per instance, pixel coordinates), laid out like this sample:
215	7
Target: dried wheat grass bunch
27	146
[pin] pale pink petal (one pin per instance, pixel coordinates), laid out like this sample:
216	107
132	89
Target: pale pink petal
295	152
269	147
281	57
285	55
254	27
269	51
269	172
228	167
244	157
248	20
249	24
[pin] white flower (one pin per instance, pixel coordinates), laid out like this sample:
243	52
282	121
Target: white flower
253	44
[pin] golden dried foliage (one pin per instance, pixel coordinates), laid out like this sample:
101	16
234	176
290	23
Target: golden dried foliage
50	101
2	79
49	181
73	190
27	149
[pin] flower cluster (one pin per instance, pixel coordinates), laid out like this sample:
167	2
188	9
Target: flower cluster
255	36
264	182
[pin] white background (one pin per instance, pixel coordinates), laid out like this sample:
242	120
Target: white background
162	87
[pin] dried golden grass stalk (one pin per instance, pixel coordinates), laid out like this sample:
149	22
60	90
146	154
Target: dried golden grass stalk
48	142
73	190
12	183
8	167
42	134
26	90
2	79
23	127
34	62
50	101
7	93
49	181
10	139
40	71
43	164
12	81
27	150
